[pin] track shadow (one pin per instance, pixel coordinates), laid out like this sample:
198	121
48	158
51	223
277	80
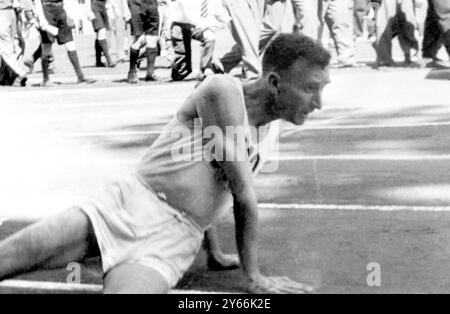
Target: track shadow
424	140
56	84
143	82
326	249
140	135
439	74
394	66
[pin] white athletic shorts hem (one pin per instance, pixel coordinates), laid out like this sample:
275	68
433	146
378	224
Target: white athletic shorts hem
133	225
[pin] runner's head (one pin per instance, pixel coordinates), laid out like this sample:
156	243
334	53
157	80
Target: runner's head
295	68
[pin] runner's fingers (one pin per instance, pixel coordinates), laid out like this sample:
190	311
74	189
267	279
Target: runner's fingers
282	289
300	286
263	286
293	285
279	285
274	286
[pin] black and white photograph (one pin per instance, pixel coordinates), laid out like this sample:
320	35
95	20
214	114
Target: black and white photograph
249	148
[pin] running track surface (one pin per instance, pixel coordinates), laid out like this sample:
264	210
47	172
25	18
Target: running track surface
367	179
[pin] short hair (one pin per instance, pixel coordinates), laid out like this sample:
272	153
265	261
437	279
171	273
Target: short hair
286	49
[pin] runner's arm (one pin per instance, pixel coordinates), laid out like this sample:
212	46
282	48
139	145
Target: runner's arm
216	259
220	105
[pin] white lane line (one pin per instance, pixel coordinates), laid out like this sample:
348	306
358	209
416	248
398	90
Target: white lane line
45	286
355	207
93	134
399	158
364	158
50	286
343	158
85	104
92	104
365	126
284	134
165	100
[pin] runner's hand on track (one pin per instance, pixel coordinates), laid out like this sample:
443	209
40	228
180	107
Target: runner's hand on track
222	261
277	285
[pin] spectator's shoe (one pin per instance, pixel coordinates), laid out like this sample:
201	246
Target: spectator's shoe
23	81
435	63
100	65
443	65
47	84
133	77
201	77
152	78
345	61
384	64
112	64
411	64
348	64
86	80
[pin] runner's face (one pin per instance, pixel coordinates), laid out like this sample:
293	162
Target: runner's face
300	92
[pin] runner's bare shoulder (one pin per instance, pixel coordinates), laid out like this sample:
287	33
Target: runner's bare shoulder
219	101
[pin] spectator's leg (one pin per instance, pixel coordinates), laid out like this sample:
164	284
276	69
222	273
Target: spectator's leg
208	41
406	30
134	56
151	53
120	39
446	41
271	24
360	12
432	34
8	23
309	17
385	20
46	57
74	60
181	67
231	59
103	47
245	27
339	20
442	10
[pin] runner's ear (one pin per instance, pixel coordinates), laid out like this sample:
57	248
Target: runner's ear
273	80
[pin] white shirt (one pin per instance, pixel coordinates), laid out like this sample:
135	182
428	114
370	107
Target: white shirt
189	11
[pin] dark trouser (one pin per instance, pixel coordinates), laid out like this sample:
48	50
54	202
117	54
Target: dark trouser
182	35
144	17
7	75
437	28
398	25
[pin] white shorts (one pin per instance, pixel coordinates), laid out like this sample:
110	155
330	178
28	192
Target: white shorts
134	226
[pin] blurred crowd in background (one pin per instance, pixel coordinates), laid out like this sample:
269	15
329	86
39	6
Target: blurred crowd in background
421	26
